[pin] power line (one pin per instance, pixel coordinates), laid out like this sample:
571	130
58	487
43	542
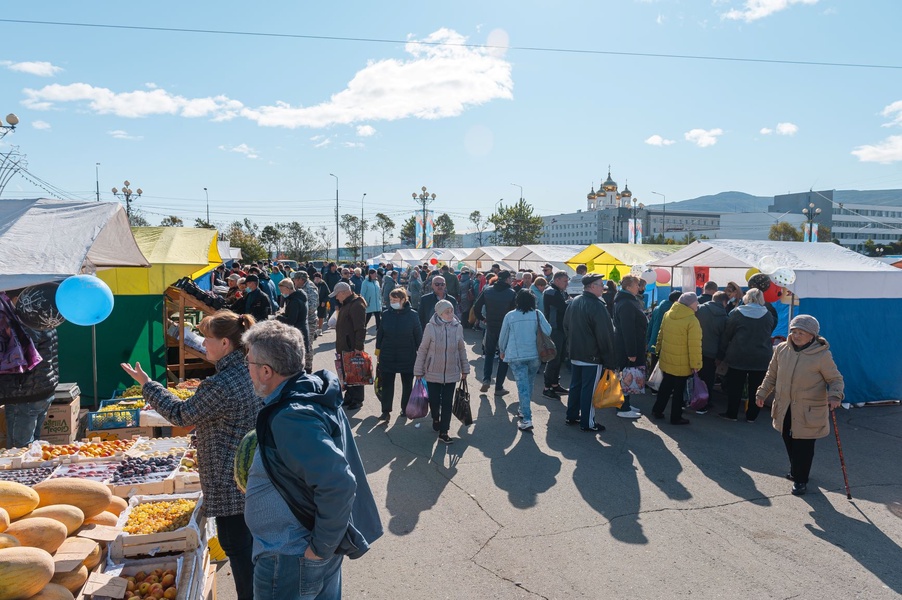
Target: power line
334	38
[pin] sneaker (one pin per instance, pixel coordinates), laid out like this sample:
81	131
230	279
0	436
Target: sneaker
519	414
501	392
559	390
525	425
550	393
628	414
445	438
799	489
485	386
595	428
702	411
727	417
571	421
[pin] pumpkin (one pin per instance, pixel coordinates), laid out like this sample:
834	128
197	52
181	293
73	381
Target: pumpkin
18	500
24	572
92	497
53	591
68	515
39	532
8	541
117	505
73	580
104	518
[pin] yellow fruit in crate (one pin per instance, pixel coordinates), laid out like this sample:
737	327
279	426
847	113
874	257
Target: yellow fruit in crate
24	572
159	517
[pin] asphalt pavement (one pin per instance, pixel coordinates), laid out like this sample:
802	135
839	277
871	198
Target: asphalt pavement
643	510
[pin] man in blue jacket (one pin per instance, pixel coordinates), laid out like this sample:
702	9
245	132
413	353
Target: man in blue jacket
308	501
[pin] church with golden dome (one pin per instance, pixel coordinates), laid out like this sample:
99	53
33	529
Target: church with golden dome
609	196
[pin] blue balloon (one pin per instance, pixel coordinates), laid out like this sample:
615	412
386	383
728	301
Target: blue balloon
84	300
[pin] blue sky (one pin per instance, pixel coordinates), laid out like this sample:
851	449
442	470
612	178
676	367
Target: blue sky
262	121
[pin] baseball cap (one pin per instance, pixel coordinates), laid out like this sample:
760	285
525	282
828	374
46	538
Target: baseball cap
341	286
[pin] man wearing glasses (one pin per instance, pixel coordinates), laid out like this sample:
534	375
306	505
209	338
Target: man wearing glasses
590	338
428	301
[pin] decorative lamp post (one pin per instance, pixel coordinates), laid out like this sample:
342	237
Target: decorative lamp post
127	194
811	214
424	199
11	161
337	246
11	120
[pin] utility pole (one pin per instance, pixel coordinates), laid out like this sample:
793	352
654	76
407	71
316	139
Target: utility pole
362	229
208	205
97	179
337	245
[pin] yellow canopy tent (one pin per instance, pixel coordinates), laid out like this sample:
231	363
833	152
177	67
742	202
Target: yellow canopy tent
603	258
173	252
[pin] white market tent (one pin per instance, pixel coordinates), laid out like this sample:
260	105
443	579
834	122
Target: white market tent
856	299
451	256
406	257
534	256
227	252
45	240
483	257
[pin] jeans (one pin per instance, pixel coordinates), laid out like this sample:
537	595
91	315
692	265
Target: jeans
553	367
441	399
801	452
24	421
491	346
582	385
734	382
283	577
238	544
524	372
388	390
675	385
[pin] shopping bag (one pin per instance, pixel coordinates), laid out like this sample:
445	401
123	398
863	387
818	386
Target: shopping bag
357	367
698	392
461	406
607	392
654	380
544	344
632	380
333	320
339	369
418	405
472	318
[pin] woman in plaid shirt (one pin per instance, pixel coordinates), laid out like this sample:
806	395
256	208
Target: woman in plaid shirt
223	410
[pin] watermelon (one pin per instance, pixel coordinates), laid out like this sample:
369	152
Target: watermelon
244	456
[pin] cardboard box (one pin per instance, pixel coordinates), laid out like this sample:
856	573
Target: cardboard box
61	424
126	433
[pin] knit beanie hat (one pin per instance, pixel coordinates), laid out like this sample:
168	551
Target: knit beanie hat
689	298
443	305
805	323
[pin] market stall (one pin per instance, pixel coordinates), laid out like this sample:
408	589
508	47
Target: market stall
484	257
407	257
533	257
604	258
855	299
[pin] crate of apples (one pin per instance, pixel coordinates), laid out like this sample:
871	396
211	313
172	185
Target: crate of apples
156	585
54	452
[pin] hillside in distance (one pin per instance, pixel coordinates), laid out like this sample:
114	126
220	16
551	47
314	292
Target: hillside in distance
742	202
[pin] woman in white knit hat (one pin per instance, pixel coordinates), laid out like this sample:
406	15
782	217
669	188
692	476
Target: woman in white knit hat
807	386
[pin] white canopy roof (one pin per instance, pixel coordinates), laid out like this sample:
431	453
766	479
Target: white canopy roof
450	255
823	270
45	240
408	256
227	252
484	256
534	256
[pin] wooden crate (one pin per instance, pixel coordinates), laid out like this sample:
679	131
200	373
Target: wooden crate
184	539
148	488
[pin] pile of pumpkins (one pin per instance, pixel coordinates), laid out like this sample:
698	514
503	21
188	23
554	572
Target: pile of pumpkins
34	523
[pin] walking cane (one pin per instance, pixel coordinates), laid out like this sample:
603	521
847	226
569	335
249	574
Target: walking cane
842	461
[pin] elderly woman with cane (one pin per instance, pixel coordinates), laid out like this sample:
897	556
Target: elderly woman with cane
807	386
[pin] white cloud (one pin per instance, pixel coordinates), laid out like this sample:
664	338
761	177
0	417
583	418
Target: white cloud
766	131
894	112
781	129
120	134
703	137
657	140
885	152
758	9
353	144
132	104
40	124
241	149
39	68
366	130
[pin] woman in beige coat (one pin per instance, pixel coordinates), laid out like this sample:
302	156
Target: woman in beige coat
807	386
442	361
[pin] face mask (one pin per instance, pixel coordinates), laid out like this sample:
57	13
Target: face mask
396	305
448	320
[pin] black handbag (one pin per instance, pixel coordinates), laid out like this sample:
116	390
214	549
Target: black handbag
461	406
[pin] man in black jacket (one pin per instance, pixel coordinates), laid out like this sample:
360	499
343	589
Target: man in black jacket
630	326
498	300
428	301
332	276
712	316
295	315
590	336
256	303
555	304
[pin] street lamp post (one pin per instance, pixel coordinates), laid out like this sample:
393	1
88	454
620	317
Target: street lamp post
663	215
97	179
127	194
425	199
11	120
207	194
10	162
337	246
811	214
362	229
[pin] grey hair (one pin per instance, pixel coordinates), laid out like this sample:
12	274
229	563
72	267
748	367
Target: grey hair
753	296
276	344
287	283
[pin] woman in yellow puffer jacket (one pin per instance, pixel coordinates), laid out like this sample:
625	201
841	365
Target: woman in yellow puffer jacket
679	347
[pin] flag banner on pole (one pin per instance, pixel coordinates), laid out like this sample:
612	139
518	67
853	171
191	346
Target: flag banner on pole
430	229
635	229
810	232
